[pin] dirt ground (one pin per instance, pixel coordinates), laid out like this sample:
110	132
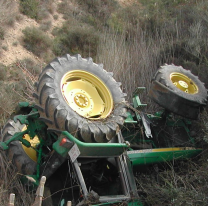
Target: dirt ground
12	43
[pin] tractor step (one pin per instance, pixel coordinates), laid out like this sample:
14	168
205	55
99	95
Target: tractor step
136	100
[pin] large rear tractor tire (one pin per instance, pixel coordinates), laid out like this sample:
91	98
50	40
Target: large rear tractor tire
76	95
178	91
24	159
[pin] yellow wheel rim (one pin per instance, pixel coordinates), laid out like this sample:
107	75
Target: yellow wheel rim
34	142
86	94
183	83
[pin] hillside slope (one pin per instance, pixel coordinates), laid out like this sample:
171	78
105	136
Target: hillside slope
132	38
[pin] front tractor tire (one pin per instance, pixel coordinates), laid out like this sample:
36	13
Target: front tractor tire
23	158
179	91
76	95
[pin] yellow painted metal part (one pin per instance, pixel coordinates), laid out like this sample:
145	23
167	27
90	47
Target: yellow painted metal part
184	83
34	142
171	149
86	94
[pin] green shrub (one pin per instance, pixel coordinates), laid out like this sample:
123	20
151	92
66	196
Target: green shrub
10	21
55	17
43	13
67	10
48	5
8	12
76	40
29	8
115	23
45	26
2	33
5	48
36	41
101	9
36	9
15	43
31	66
19	17
3	72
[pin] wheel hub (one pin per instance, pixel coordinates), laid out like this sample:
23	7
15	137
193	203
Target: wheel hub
86	94
34	142
184	83
81	100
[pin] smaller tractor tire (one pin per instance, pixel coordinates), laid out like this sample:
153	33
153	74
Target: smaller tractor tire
24	159
76	95
178	91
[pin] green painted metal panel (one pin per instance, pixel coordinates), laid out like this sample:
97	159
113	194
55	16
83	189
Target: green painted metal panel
152	156
98	149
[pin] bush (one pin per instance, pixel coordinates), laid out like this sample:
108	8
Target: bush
76	40
66	9
43	13
36	41
45	26
8	12
5	48
10	183
99	8
3	72
2	33
29	8
36	9
31	66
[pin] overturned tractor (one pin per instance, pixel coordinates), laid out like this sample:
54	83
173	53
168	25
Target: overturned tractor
82	134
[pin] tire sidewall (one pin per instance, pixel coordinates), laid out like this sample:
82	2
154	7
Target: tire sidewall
25	164
166	71
84	65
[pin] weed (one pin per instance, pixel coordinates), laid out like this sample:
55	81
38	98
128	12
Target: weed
19	17
8	12
36	40
49	5
31	66
98	8
2	33
10	21
5	48
15	43
29	8
35	9
43	13
68	10
185	182
75	40
12	184
45	26
55	17
3	72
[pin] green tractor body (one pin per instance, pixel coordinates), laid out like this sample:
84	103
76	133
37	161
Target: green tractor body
97	173
129	150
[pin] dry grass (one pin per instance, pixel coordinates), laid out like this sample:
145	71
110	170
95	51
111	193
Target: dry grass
8	12
132	61
149	40
77	39
183	183
36	40
23	74
133	43
10	183
19	89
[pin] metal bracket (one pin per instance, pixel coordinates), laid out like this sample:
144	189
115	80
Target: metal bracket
15	137
146	122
